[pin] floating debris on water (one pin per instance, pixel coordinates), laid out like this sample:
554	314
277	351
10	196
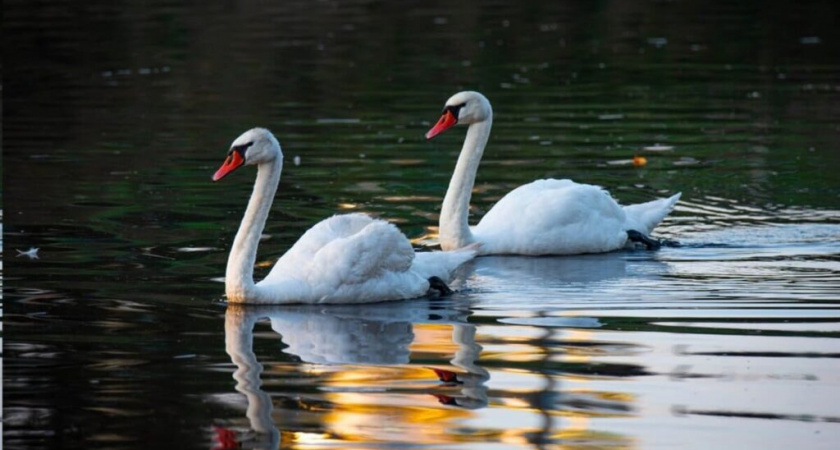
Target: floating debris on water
637	161
334	120
658	148
611	116
32	253
296	160
196	249
657	42
686	161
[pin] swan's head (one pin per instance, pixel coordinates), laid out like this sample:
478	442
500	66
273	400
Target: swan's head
253	147
465	107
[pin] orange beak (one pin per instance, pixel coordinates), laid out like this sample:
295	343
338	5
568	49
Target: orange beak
446	121
233	161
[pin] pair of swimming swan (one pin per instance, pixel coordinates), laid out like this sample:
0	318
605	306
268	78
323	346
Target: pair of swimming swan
354	258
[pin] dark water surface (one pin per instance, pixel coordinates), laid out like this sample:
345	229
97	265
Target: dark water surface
115	114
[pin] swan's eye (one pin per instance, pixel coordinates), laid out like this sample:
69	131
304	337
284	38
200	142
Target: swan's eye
241	148
454	109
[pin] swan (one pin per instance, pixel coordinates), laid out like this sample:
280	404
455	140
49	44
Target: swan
545	217
349	258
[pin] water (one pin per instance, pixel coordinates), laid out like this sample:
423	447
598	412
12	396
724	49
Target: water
116	115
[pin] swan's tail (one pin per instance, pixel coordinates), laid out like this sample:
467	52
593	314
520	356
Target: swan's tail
644	217
443	264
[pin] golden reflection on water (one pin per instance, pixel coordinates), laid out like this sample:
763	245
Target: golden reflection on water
428	239
443	395
403	418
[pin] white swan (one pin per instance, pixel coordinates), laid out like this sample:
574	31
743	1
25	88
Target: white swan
349	258
545	217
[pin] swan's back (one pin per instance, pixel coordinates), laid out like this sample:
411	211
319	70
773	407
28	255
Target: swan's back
346	259
355	246
552	217
355	259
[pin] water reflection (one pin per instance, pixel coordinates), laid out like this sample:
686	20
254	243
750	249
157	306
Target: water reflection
413	372
471	381
353	350
347	334
555	270
239	344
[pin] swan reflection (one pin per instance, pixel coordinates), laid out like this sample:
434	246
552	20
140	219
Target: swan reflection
380	334
239	344
471	382
404	372
377	335
555	270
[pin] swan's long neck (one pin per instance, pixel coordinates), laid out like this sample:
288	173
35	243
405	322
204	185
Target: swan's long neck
454	216
239	277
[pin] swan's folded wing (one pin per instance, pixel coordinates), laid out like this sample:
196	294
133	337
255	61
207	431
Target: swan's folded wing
553	217
298	259
534	199
373	252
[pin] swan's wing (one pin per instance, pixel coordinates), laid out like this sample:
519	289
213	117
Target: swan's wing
371	252
553	217
370	266
348	259
297	260
345	249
